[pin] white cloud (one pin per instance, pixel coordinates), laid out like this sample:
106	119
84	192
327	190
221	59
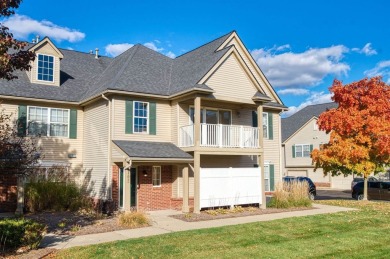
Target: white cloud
314	98
294	91
117	49
367	50
381	69
153	46
23	26
170	54
307	68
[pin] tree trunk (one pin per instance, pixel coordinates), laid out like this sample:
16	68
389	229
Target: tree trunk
365	188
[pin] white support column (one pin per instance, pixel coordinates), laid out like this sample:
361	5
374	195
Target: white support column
196	182
197	130
186	207
261	155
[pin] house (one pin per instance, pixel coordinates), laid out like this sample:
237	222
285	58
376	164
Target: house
300	135
138	129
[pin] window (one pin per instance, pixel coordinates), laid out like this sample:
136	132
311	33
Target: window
302	150
45	68
265	125
267	178
48	121
156	176
212	116
141	112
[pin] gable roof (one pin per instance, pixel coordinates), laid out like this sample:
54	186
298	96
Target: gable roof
293	123
137	70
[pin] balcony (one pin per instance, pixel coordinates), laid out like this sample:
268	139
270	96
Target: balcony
220	136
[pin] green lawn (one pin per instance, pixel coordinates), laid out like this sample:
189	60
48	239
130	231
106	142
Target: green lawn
356	234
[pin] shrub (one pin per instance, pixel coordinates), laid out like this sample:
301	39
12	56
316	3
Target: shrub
59	196
19	232
133	219
291	194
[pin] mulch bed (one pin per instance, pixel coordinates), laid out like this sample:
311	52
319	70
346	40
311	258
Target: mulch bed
248	211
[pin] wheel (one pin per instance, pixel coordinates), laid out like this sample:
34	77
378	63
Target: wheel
311	196
360	197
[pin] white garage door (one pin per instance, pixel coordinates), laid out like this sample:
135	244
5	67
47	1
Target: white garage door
229	186
341	182
297	173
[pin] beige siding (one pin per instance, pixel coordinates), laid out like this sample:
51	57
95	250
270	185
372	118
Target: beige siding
96	149
47	50
231	80
55	149
175	122
272	147
177	188
309	134
244	56
163	121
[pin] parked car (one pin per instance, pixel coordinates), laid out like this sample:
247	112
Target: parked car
312	187
375	191
361	179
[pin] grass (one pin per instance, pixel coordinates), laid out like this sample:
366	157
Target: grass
354	234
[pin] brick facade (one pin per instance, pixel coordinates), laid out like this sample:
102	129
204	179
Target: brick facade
8	193
115	183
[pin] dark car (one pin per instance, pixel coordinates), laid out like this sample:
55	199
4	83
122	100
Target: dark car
375	191
361	179
312	186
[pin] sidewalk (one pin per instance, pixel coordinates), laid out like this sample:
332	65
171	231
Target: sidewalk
162	224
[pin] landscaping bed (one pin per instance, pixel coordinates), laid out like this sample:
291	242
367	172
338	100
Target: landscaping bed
232	213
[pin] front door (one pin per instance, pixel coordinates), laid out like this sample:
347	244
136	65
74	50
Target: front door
133	187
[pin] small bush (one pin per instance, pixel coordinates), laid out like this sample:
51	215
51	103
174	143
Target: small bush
291	194
133	219
59	196
19	232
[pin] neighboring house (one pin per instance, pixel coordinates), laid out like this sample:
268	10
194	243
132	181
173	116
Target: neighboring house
300	135
139	128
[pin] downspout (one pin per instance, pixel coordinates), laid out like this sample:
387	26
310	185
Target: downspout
281	168
109	179
126	185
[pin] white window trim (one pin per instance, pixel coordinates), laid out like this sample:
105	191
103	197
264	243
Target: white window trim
302	145
49	122
203	114
159	177
266	125
269	176
147	118
54	64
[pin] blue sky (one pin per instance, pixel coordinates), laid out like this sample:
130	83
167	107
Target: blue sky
301	46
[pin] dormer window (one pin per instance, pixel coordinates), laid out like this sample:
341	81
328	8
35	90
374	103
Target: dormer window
45	68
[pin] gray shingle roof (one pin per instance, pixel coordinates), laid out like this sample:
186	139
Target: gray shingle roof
291	124
143	149
138	69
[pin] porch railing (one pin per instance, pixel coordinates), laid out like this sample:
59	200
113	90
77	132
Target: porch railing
219	135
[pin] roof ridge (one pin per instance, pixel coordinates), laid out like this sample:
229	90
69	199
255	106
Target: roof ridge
86	53
205	44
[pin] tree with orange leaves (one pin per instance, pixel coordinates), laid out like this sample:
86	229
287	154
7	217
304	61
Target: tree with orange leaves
359	130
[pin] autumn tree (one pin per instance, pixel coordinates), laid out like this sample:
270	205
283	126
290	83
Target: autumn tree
13	55
359	130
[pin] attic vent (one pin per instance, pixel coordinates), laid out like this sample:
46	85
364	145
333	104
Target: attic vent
96	53
91	52
36	40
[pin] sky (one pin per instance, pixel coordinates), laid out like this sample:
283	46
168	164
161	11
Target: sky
301	46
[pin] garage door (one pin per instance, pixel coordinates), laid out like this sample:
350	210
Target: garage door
341	182
229	186
297	173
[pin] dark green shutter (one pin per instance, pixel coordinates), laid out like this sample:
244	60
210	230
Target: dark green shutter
129	117
293	151
254	119
311	148
22	120
73	124
272	177
270	127
152	118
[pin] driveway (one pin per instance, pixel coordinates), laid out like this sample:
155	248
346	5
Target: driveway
334	195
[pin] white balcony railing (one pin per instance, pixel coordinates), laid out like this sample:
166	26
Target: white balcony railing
219	135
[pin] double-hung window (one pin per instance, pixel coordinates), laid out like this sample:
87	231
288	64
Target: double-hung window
45	70
302	150
156	176
44	121
141	113
265	125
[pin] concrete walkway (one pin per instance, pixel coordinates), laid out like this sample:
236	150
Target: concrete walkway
162	224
